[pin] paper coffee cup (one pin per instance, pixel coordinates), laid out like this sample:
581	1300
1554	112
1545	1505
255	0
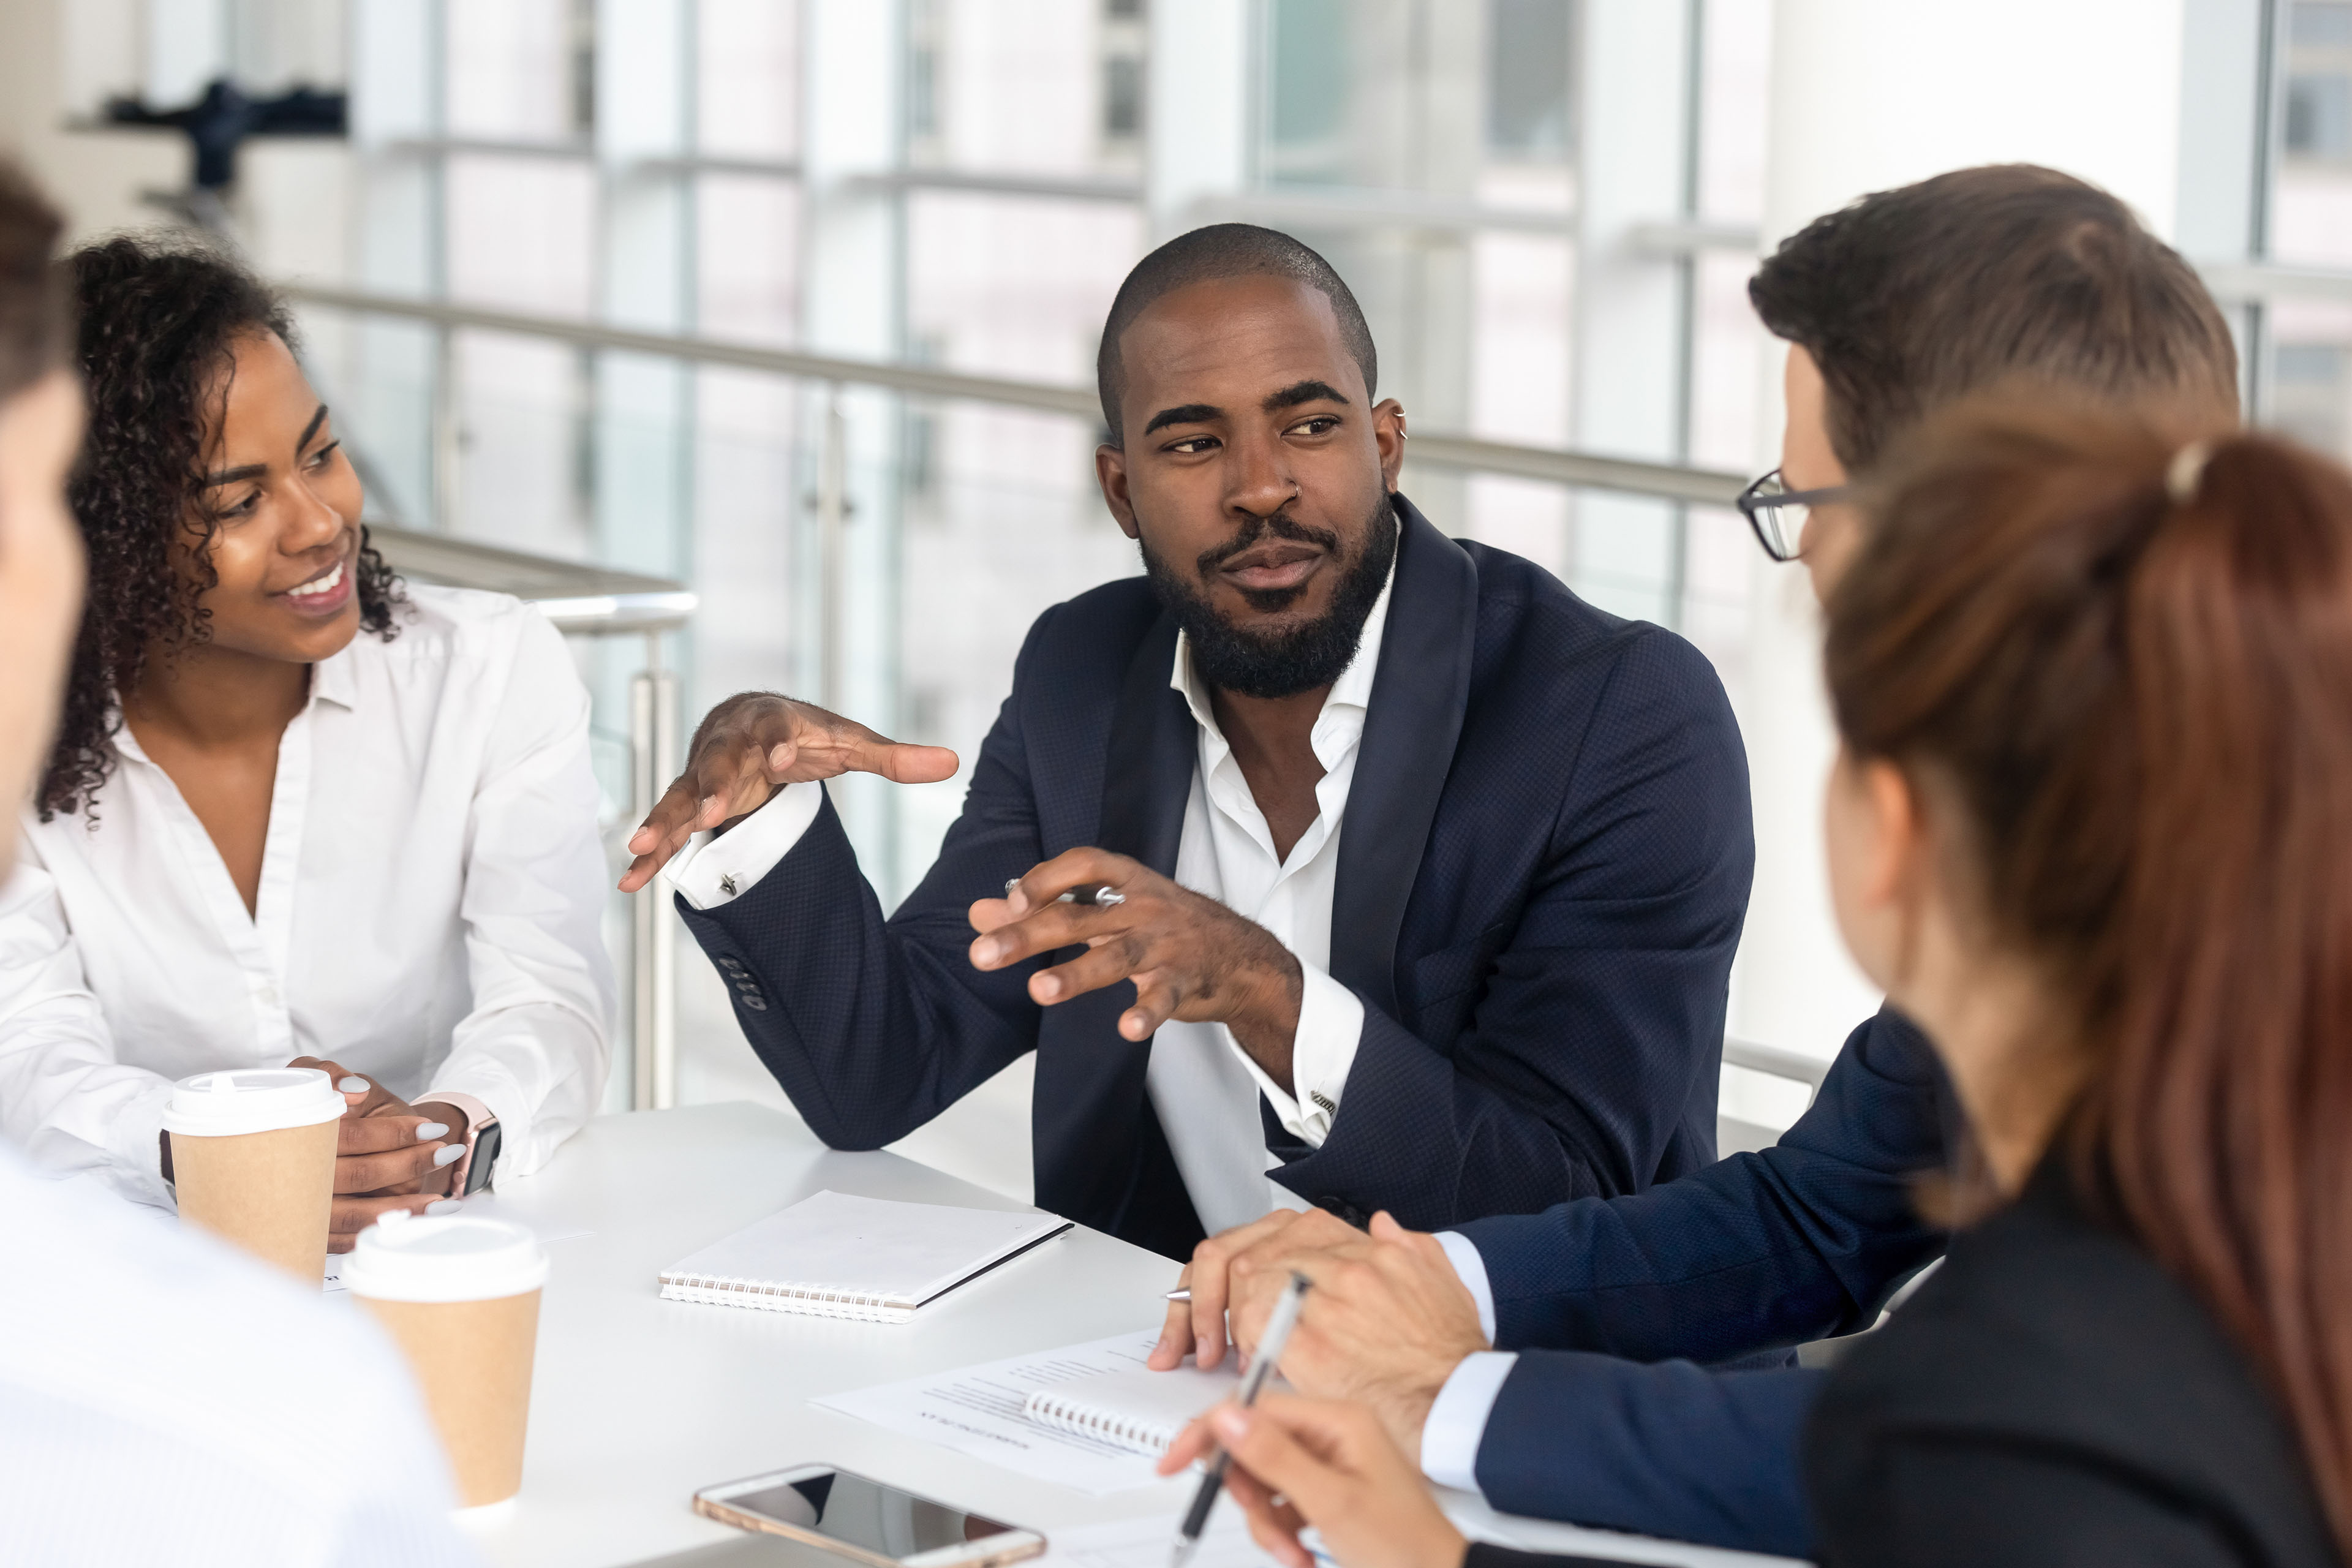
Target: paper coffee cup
461	1296
253	1156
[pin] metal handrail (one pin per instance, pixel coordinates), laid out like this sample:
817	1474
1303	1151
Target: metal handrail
1590	470
1776	1061
578	597
2240	280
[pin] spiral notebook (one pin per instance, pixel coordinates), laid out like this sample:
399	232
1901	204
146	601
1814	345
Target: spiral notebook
838	1255
1141	1411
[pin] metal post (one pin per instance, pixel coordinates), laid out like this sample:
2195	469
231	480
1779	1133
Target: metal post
653	762
832	513
445	437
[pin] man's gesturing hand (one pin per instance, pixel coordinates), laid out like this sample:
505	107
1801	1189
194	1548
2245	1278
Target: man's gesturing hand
747	747
1191	957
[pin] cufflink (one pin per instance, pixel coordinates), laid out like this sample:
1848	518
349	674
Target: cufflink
1319	1097
727	884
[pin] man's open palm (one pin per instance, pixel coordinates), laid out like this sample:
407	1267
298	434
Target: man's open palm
751	745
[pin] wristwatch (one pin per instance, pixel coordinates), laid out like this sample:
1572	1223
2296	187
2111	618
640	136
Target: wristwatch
483	1157
482	1141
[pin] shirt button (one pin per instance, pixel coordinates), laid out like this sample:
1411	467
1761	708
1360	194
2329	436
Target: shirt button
267	996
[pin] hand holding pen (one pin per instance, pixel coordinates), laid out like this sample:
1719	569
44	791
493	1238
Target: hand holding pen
1260	1367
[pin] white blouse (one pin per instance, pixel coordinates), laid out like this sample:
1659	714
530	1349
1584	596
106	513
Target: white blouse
432	891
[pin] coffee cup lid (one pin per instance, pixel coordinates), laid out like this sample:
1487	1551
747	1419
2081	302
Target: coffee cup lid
453	1257
250	1099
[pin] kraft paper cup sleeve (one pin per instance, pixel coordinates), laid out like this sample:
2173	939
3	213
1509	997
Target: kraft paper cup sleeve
460	1296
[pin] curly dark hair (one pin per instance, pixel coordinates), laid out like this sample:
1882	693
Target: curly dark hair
158	322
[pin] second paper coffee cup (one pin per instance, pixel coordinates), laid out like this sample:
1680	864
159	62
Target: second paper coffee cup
253	1158
461	1297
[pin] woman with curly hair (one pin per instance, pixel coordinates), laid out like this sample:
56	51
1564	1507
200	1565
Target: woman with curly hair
296	810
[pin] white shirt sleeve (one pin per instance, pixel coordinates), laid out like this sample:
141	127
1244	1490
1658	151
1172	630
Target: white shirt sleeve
718	868
534	1049
65	1099
1330	1027
1457	1421
161	1400
1472	1267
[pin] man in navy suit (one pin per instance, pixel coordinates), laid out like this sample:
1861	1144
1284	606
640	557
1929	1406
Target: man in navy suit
1608	1402
1331	861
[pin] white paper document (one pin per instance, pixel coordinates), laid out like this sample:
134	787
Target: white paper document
1146	1543
977	1410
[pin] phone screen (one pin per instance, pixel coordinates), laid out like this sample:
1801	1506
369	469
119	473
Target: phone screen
849	1508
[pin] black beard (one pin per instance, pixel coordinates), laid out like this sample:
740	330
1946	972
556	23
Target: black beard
1280	664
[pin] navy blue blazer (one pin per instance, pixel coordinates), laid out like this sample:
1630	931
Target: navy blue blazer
1541	878
1608	1418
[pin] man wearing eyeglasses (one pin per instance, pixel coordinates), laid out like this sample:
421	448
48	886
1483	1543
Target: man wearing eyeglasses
1607	1398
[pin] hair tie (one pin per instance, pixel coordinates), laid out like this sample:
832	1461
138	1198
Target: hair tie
2187	472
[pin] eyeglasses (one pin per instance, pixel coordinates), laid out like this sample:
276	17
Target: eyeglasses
1778	513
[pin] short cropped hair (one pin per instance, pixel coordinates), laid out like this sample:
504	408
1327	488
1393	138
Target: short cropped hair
33	315
1911	298
1203	256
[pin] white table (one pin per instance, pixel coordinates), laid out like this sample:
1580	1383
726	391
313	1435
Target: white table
637	1402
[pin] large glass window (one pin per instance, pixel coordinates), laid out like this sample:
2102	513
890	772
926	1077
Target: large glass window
962	183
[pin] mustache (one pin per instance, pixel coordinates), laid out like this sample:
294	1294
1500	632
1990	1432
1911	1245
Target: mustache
1280	524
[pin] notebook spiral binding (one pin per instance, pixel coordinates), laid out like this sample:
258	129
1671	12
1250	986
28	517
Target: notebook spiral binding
809	1300
1047	1408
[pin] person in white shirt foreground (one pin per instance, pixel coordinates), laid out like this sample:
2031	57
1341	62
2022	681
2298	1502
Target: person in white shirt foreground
162	1398
295	811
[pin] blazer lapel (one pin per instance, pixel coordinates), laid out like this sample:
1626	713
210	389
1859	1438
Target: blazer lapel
1421	689
1088	1147
1148	772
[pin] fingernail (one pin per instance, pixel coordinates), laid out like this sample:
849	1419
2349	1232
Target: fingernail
1230	1423
983	954
354	1085
444	1205
710	804
432	1129
449	1155
1048	987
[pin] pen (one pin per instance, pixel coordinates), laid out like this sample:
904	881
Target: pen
1180	1294
1101	898
1260	1367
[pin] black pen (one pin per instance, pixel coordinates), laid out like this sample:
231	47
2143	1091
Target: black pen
1260	1367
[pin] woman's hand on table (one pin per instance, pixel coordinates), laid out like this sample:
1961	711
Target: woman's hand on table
388	1154
1300	1462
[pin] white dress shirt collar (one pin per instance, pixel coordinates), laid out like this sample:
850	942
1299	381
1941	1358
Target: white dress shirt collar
1204	1086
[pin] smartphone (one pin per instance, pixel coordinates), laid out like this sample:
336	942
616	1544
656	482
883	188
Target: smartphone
865	1520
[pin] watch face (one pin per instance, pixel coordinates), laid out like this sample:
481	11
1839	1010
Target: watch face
486	1154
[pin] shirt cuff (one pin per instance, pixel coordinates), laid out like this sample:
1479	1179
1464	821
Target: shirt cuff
718	868
1322	1049
1462	1253
1457	1422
